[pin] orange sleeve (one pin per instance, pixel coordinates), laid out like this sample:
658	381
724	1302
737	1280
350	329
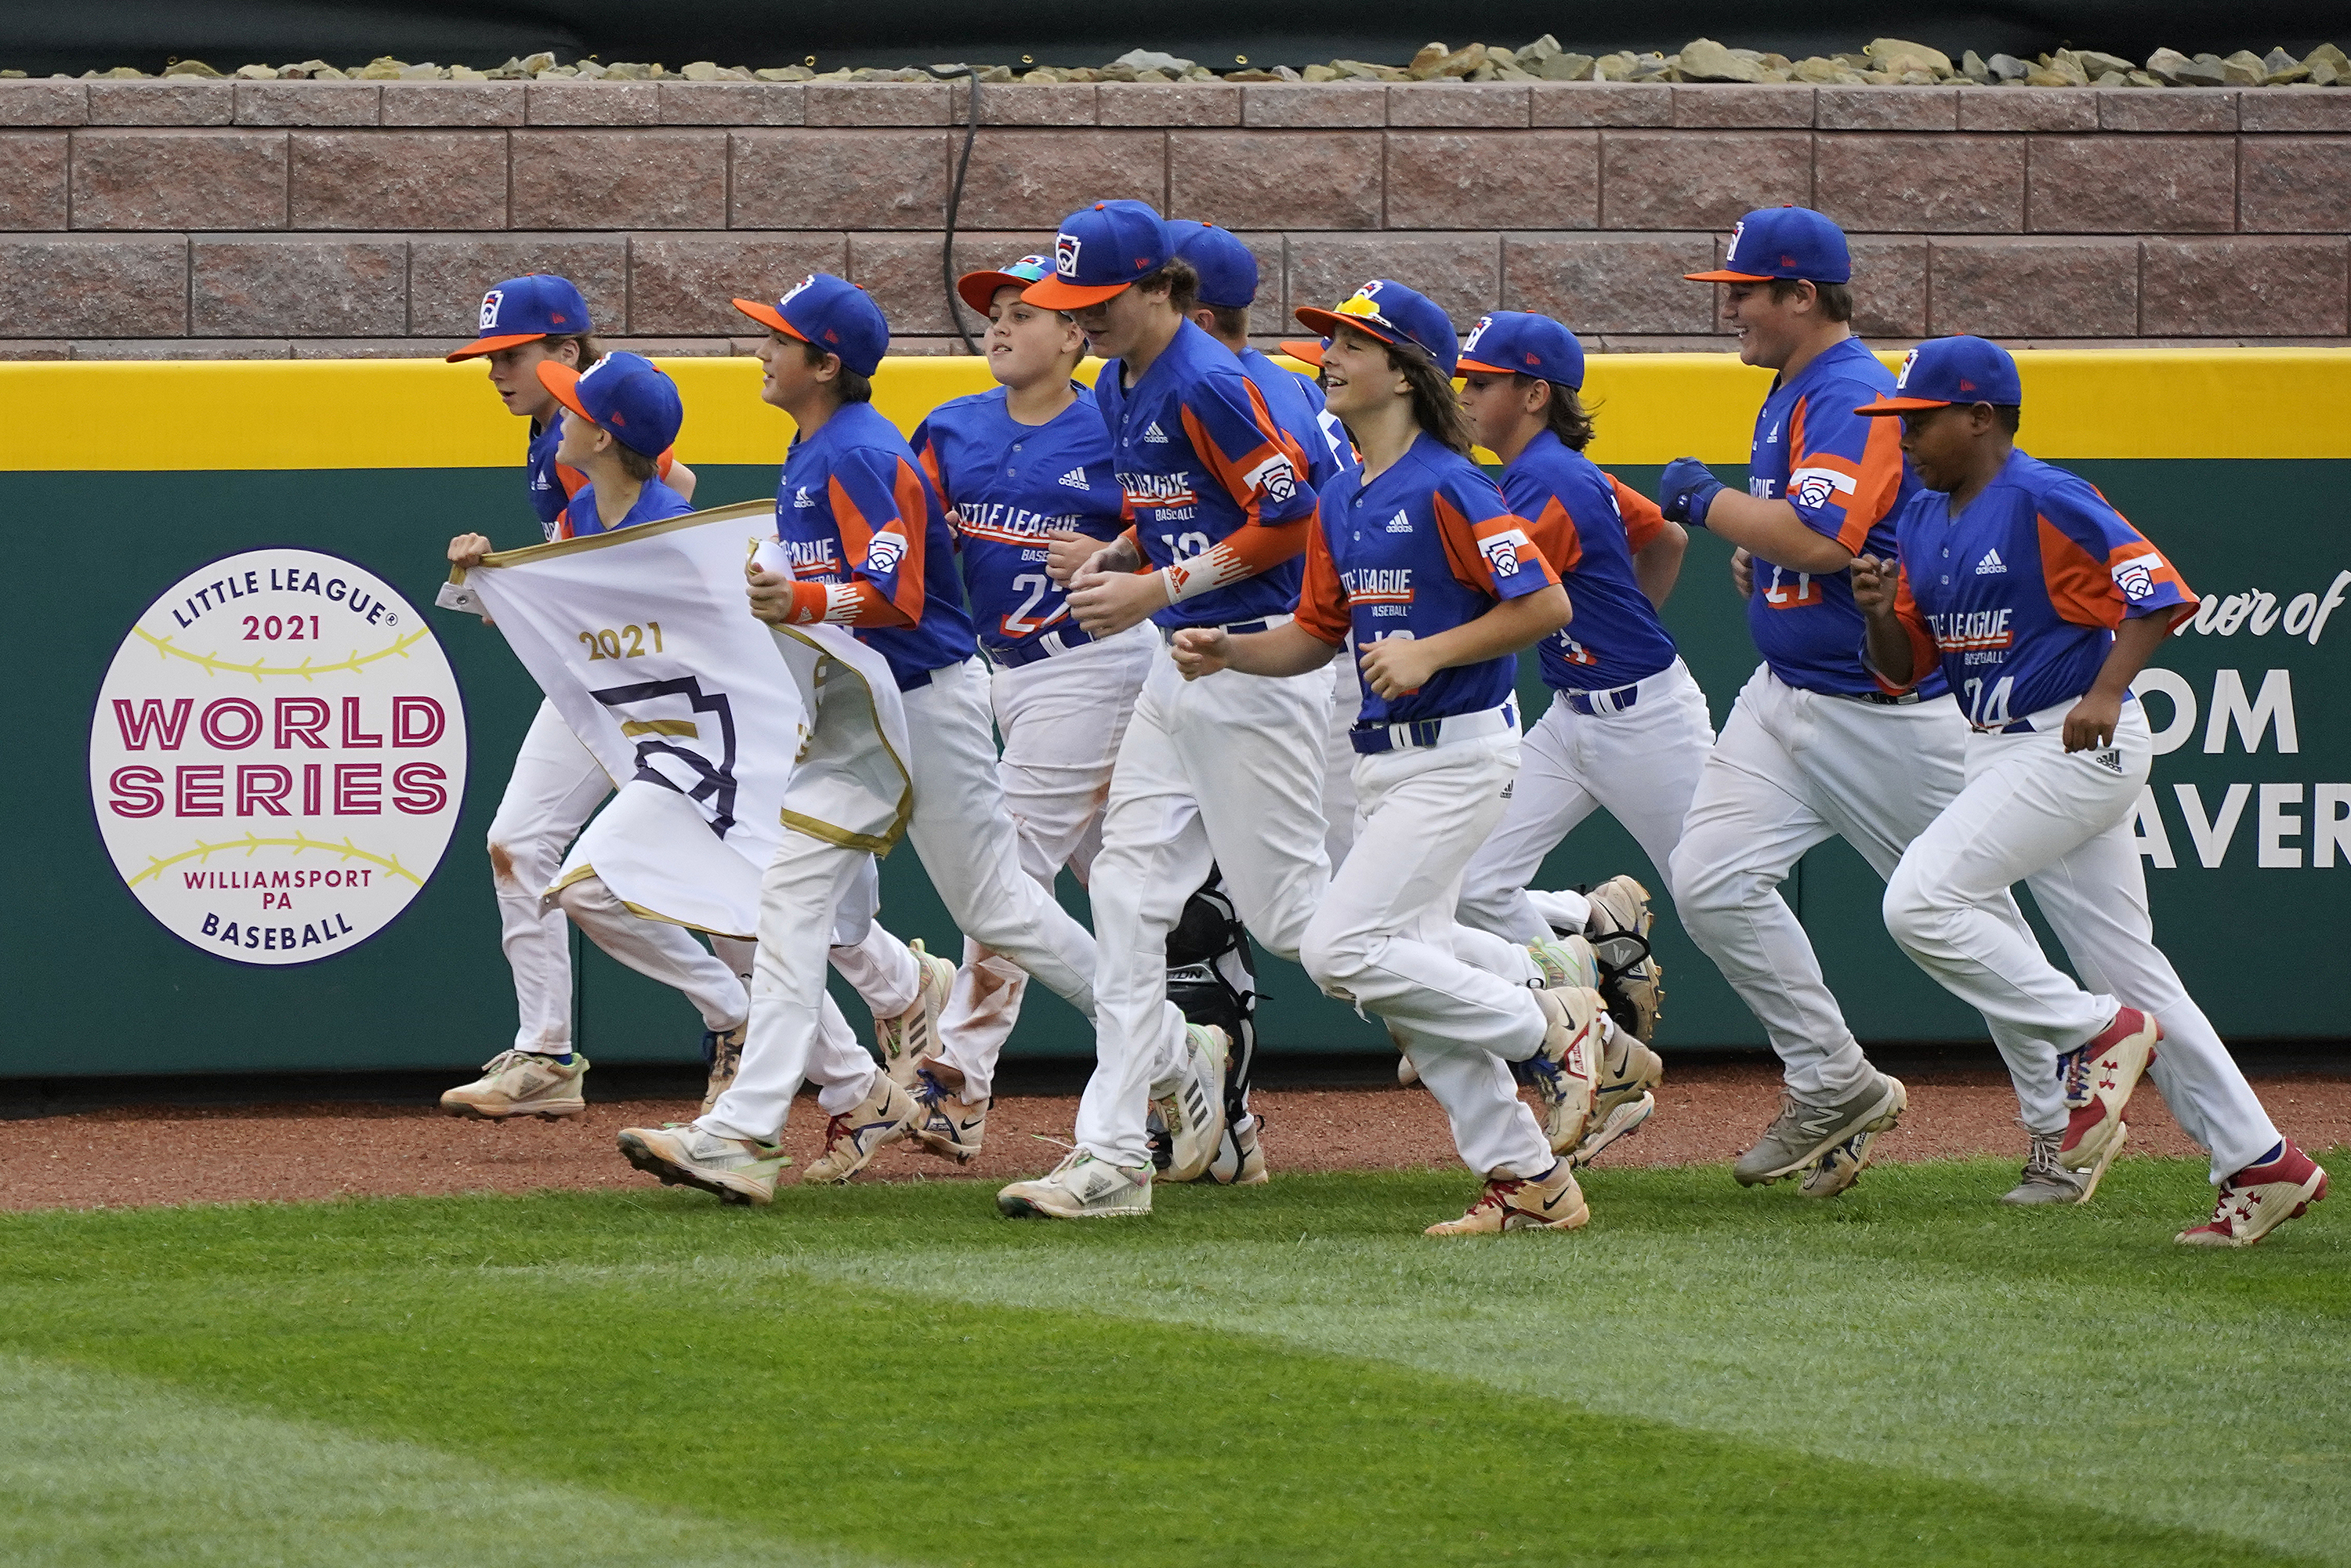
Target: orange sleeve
1923	654
858	603
1322	598
1643	521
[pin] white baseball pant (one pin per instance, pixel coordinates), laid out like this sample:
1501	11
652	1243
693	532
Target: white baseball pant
1224	770
1791	770
1385	938
1339	759
556	787
2061	824
1061	719
1640	762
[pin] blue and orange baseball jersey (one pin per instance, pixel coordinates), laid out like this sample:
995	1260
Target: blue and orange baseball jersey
855	512
1577	517
1845	475
1427	545
1296	404
655	502
1009	487
1201	461
2015	599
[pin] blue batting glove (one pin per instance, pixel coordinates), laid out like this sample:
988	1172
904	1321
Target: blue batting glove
1686	490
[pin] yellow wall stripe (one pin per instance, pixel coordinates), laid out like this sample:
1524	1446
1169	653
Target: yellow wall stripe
422	414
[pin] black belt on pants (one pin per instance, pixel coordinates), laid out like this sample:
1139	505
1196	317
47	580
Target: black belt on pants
1040	645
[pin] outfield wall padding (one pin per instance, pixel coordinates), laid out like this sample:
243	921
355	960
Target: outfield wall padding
120	479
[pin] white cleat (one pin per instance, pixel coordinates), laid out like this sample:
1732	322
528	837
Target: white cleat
1080	1188
1192	1103
913	1034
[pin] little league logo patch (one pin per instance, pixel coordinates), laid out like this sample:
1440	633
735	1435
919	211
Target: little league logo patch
2135	577
490	303
1470	346
1275	477
277	756
1902	376
1502	551
885	552
1065	255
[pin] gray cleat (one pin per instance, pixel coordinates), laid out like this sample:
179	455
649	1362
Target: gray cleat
1801	1133
2048	1181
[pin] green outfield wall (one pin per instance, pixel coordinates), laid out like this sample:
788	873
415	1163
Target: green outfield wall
2248	841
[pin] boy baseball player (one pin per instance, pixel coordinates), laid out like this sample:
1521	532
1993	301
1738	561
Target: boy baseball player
2040	604
869	547
1419	567
1813	748
1015	466
1627	728
1225	771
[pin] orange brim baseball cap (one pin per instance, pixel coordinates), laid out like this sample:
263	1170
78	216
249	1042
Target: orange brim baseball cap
979	289
1310	350
564	383
523	310
1055	294
767	316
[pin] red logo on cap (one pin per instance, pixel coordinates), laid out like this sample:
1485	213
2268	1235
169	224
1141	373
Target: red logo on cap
618	418
1534	358
831	336
1787	260
1966	385
1142	264
555	316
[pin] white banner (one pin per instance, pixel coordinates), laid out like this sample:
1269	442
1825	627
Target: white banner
641	639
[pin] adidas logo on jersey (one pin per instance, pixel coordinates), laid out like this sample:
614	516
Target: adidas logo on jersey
1772	439
1400	524
1075	479
800	497
1990	564
1152	432
2111	761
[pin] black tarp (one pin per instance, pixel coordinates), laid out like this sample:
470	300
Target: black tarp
46	37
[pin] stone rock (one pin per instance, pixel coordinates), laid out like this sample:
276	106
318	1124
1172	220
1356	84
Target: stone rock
1153	76
2324	75
2065	68
1617	67
628	70
1252	73
383	67
1971	66
2243	68
1565	67
2165	66
699	70
1153	60
801	73
2111	78
1319	74
534	64
589	70
1825	72
2204	70
1450	66
2329	57
1887	52
256	73
1426	61
1542	49
2096	65
189	68
1703	59
1364	71
1510	73
2278	67
425	72
467	73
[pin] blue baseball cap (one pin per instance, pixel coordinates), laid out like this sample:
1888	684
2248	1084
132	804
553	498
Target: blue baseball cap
829	313
1100	250
978	289
1782	242
1947	371
1393	314
524	309
624	394
1227	269
1521	343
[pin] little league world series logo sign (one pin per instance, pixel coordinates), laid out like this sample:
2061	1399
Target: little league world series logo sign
277	756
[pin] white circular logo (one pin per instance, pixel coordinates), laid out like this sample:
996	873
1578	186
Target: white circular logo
277	756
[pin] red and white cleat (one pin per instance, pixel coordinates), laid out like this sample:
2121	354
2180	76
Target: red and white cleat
2260	1198
2099	1077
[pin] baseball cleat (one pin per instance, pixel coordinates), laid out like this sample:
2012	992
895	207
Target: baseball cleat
913	1034
1837	1169
682	1154
944	1123
1192	1103
1631	978
1548	1202
2046	1179
852	1139
1563	1068
521	1083
2260	1198
1080	1188
1564	961
2098	1079
1801	1133
1621	1099
1240	1161
723	1055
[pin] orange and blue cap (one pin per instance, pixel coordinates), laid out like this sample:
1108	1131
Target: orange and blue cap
1386	310
1310	350
1227	269
525	310
1521	343
1783	242
623	394
978	289
1101	250
827	313
1947	371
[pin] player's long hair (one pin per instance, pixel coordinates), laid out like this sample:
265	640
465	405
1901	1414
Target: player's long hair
1565	416
1435	406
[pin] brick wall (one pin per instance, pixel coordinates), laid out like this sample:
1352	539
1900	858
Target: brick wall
195	219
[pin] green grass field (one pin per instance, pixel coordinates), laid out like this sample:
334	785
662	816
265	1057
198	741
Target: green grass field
1294	1375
